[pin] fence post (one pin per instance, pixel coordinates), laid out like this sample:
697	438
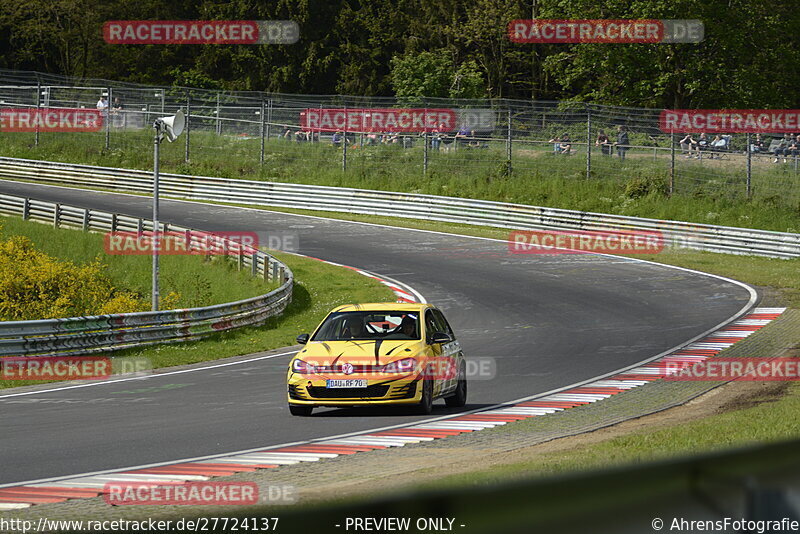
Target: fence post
107	117
671	163
508	142
749	173
344	142
588	143
38	105
219	126
425	153
188	122
262	132
269	119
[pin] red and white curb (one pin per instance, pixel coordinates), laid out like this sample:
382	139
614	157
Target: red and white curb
88	486
403	292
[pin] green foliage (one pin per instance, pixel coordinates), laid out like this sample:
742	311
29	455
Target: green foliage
433	74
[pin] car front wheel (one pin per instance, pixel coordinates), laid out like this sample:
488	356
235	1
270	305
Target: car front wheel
459	398
425	405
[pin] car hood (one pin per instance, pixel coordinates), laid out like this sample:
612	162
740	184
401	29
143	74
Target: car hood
370	352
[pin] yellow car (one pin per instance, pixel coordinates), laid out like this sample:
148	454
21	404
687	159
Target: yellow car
378	354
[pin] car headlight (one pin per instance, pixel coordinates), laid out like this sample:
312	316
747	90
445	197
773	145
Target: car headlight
406	365
304	368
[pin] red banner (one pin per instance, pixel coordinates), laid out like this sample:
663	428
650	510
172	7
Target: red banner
50	120
730	121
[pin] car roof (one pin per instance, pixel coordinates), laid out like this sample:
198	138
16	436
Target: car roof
384	306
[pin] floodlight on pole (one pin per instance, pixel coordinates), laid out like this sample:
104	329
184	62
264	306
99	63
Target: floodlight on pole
170	128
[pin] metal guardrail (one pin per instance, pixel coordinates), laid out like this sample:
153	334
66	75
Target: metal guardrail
723	239
102	333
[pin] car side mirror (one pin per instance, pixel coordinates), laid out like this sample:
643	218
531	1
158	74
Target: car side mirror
441	337
302	339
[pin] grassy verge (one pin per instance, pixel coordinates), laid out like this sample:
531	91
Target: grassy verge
319	287
198	283
770	419
708	191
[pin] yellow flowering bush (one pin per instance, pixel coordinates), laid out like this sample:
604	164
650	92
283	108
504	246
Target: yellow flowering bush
34	285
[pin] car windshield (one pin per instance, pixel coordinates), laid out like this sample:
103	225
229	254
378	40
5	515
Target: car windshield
369	325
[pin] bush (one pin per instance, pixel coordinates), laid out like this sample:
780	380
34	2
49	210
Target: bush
34	285
642	186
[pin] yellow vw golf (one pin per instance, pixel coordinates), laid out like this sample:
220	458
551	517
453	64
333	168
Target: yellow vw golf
378	354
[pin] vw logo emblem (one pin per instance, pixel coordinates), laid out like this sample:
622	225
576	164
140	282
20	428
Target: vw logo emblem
347	368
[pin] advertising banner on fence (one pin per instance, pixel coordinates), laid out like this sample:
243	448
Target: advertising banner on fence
405	120
730	120
619	31
50	120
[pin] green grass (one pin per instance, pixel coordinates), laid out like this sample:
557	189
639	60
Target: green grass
769	420
706	191
319	287
198	283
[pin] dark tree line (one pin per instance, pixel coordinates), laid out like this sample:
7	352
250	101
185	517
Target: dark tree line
750	57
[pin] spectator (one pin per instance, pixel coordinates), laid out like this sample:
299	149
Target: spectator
622	143
565	147
702	144
717	144
116	107
794	147
372	138
783	148
287	133
390	138
687	144
474	142
556	144
302	136
462	136
102	107
116	112
336	140
436	139
604	143
757	145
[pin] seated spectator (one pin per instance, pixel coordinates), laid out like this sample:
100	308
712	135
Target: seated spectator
604	143
782	150
556	144
687	144
302	136
702	142
462	136
757	145
337	138
390	138
287	133
717	144
794	147
474	142
566	145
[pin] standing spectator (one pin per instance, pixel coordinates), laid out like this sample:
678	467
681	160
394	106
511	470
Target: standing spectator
102	107
116	112
604	143
436	140
687	144
622	143
336	140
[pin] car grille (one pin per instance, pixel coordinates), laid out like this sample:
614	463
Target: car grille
296	392
405	392
319	392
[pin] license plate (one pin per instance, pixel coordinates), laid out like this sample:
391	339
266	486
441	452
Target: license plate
352	383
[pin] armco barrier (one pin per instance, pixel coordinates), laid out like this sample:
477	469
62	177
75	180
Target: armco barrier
428	207
102	333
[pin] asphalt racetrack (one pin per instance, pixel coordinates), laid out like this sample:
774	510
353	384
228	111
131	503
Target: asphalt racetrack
548	320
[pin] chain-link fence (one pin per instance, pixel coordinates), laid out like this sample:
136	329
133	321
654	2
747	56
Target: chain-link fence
379	138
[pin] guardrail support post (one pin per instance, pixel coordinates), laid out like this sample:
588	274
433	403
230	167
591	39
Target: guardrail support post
749	173
274	271
85	224
113	222
26	209
265	268
56	215
241	258
139	226
254	264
